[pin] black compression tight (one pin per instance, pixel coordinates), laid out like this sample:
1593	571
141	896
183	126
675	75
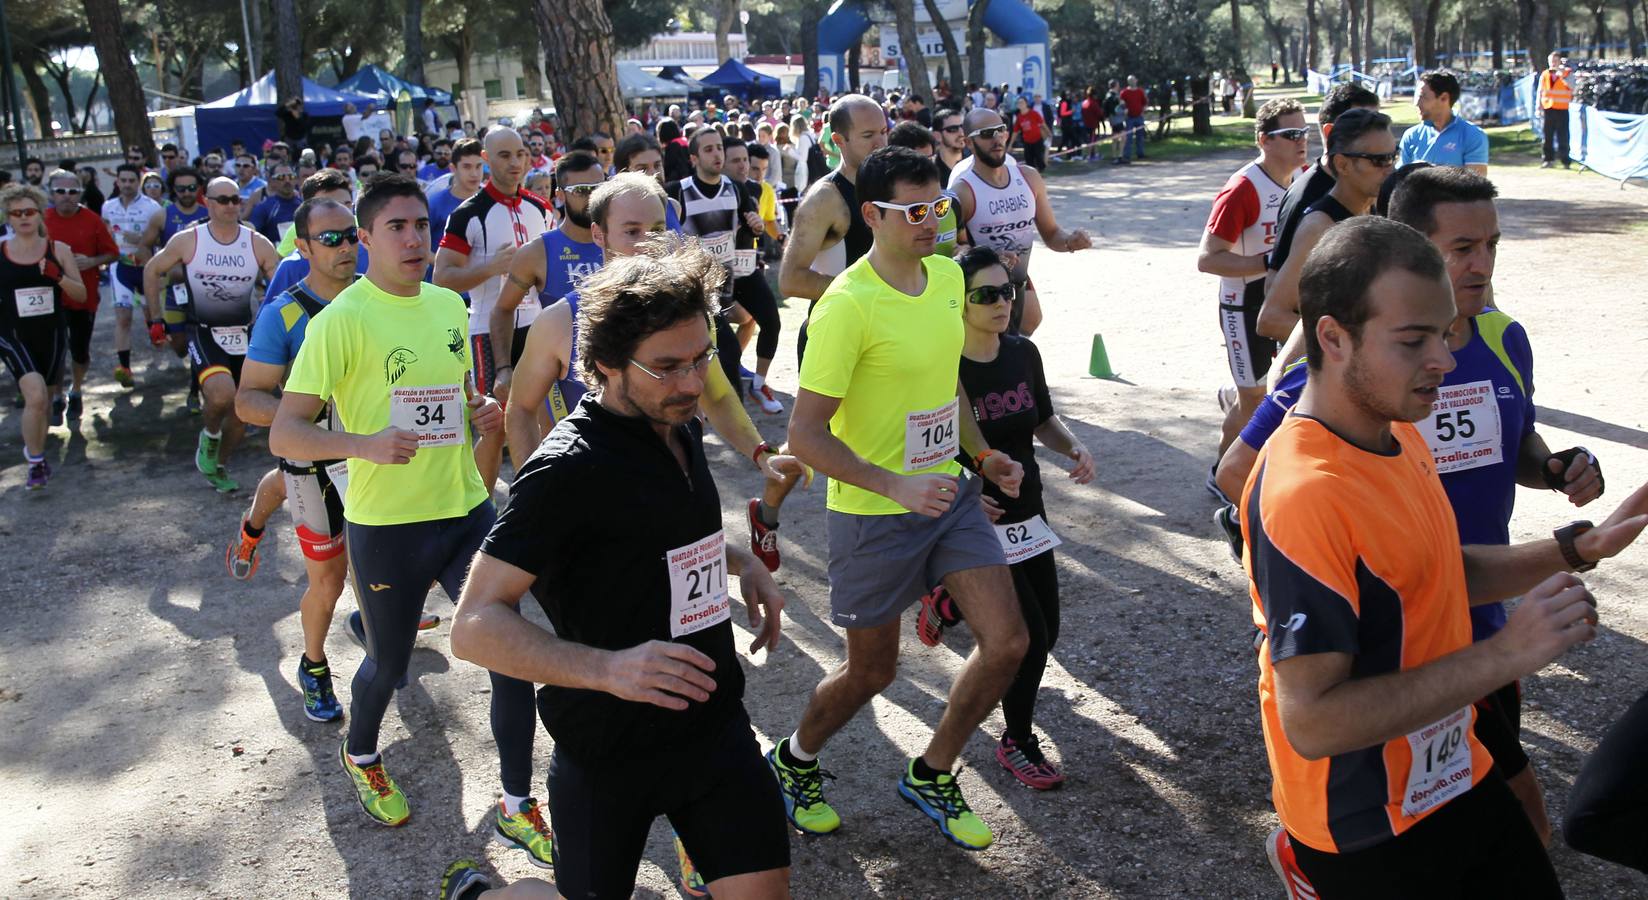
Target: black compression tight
1608	807
753	293
1037	582
727	351
393	567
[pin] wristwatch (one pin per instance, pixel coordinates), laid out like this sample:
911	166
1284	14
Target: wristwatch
1565	537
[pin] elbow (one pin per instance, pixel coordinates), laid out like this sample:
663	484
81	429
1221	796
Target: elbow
280	436
463	637
1273	324
787	286
1204	263
1304	739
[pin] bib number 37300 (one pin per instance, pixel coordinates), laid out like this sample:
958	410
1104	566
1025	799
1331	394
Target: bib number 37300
930	437
698	585
436	413
1441	766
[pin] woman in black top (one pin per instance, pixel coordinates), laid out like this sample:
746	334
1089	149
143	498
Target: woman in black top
1008	389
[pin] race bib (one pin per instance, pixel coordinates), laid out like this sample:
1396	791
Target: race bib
930	437
180	295
698	585
1463	429
1441	766
435	413
1022	540
338	474
232	339
36	301
719	246
743	263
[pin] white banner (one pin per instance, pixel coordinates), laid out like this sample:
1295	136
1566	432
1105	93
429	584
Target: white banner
931	44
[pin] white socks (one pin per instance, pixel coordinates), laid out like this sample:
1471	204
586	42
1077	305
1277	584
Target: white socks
796	751
512	804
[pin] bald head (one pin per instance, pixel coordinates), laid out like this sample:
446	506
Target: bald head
507	158
980	118
858	128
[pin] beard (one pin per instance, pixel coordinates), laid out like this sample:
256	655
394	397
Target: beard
579	217
673	410
1359	386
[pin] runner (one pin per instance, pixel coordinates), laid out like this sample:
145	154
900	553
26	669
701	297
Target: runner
1239	234
642	678
222	261
93	247
440	160
919	139
184	211
952	143
475	254
641	153
134	221
36	274
1360	588
1003	375
389	355
1610	795
878	413
551	269
750	291
273	216
463	182
1004	206
247	179
1361	151
327	184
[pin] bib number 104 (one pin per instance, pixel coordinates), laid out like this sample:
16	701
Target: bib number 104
941	434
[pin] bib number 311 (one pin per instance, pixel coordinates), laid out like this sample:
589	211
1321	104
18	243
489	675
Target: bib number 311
698	585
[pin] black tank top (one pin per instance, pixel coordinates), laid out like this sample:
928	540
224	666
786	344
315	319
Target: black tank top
859	237
29	301
1332	207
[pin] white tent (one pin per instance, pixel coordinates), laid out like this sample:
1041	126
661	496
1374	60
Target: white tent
634	83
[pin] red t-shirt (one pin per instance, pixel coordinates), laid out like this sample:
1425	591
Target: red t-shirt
86	234
1135	101
1029	125
1091	112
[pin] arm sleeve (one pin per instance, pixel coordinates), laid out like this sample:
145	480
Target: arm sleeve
323	360
533	521
457	229
1236	208
1038	384
1273	409
269	336
1303	566
1476	147
835	338
105	240
1406	145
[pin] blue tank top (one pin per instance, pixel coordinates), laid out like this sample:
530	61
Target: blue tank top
565	393
672	222
176	221
566	262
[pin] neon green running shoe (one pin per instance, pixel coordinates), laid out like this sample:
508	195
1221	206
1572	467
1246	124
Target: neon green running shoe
528	831
803	790
692	883
206	454
221	481
941	801
379	796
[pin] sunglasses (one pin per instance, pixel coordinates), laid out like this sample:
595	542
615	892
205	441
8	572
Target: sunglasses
27	213
287	177
990	294
186	189
1289	134
581	190
950	129
63	191
917	213
336	237
225	199
988	134
134	159
1379	160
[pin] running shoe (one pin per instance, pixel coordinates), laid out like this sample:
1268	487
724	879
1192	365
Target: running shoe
769	404
206	454
1212	484
528	831
804	794
56	416
123	376
39	474
692	883
241	557
938	612
1279	848
193	403
76	406
428	621
1025	760
377	792
941	801
763	540
1226	398
319	703
1230	522
221	481
464	881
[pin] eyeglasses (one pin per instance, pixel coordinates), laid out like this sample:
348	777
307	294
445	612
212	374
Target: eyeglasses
62	191
225	199
678	373
990	294
990	133
186	189
134	159
917	213
336	237
950	129
287	177
581	190
25	213
1379	160
1289	134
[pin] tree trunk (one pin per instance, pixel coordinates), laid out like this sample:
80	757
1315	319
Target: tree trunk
1534	27
91	98
532	74
114	60
1235	33
288	52
855	61
1313	49
62	76
1367	32
1353	15
1422	14
412	44
1632	35
909	44
1599	36
975	41
254	10
726	13
810	14
39	98
1497	38
577	36
952	52
1334	23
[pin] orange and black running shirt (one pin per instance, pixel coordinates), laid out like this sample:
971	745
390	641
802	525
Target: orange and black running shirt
1354	551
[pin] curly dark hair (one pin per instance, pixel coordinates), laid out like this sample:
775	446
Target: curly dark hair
672	279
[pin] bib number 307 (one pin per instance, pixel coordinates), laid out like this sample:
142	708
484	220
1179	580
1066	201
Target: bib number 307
698	585
435	413
1441	766
930	437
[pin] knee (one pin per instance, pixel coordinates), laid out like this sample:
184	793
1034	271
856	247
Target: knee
1008	649
34	390
867	679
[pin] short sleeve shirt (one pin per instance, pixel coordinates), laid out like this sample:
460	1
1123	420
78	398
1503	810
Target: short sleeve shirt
385	359
87	235
893	361
1458	144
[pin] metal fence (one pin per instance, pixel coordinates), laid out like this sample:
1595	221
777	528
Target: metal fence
101	145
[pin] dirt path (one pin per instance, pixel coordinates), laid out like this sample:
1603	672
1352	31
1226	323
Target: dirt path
152	741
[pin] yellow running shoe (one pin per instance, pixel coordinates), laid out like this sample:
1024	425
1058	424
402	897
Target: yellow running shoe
692	883
528	831
379	796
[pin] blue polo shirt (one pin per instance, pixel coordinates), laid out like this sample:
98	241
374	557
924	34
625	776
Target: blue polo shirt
1459	144
281	323
294	268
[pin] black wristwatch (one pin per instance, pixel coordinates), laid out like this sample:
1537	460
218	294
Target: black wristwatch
1565	537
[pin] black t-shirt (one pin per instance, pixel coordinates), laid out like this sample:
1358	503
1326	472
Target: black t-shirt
1310	186
596	513
1010	400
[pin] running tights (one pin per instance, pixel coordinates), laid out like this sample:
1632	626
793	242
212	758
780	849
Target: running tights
393	567
754	294
81	322
1037	582
728	351
1608	807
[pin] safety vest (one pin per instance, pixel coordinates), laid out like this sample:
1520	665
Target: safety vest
1554	92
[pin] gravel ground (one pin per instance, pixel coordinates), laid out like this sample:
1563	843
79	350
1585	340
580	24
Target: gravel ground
152	742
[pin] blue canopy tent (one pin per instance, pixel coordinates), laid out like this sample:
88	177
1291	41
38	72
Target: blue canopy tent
249	115
741	81
402	98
